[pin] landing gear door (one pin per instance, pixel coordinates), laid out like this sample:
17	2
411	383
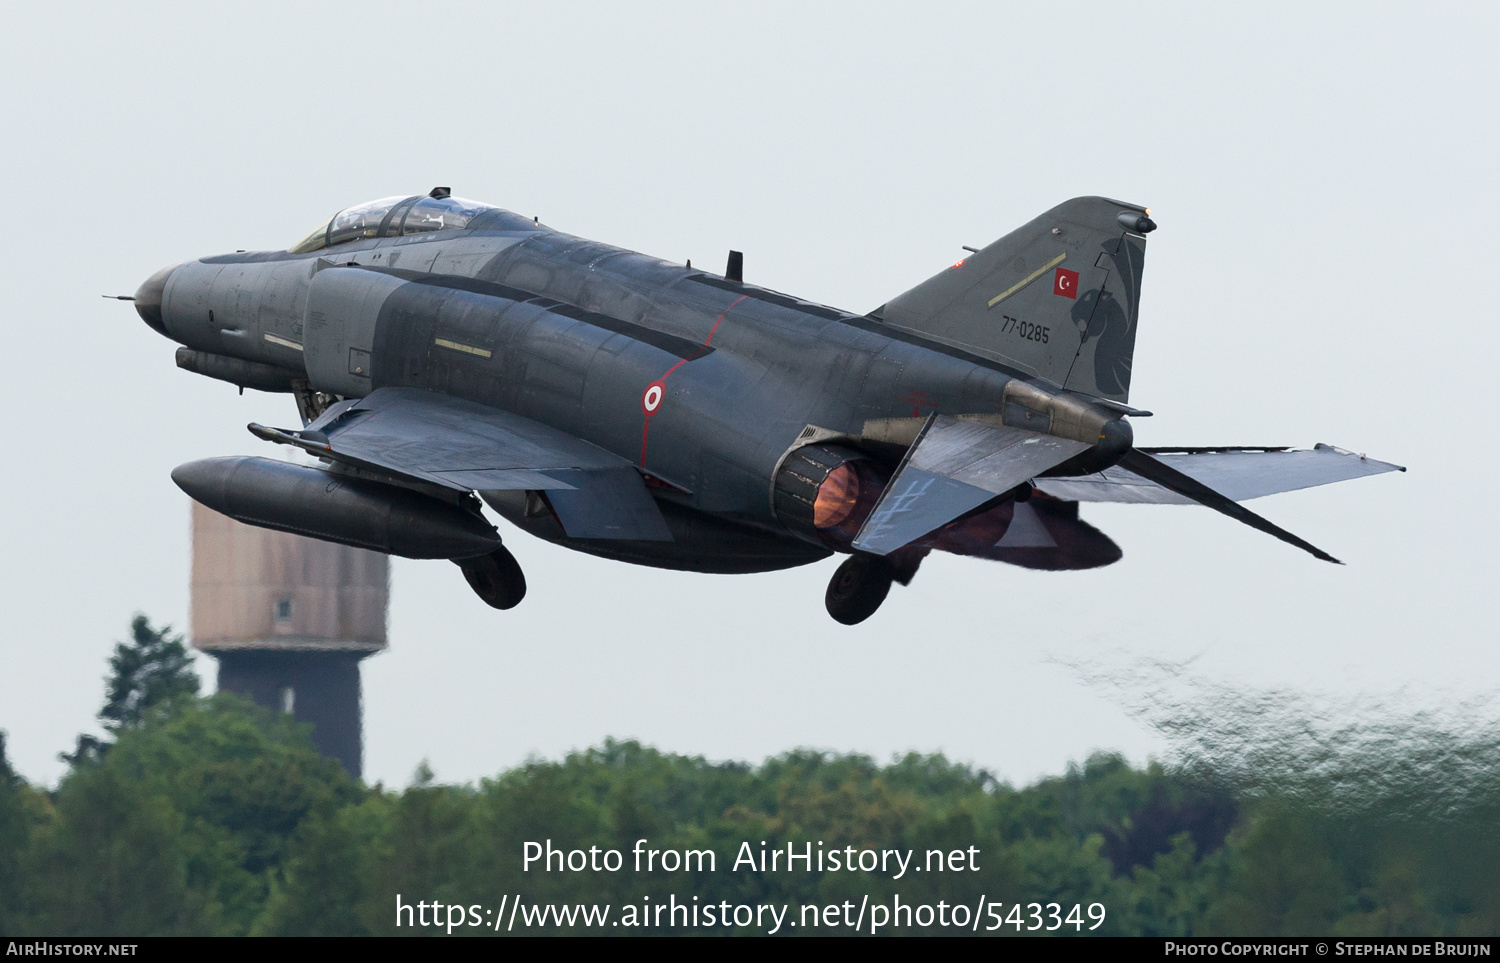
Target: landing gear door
343	305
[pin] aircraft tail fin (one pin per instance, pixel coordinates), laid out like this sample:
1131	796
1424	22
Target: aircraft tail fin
1055	298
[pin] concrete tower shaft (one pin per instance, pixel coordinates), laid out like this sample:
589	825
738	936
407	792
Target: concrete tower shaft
289	618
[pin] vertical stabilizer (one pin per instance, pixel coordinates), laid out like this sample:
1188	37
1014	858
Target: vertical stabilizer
1056	298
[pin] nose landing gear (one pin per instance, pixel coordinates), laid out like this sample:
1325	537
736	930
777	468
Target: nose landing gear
496	578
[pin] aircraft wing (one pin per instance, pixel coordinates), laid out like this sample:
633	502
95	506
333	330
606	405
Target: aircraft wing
953	467
1237	473
418	435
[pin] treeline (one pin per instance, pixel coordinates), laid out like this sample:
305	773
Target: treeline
212	816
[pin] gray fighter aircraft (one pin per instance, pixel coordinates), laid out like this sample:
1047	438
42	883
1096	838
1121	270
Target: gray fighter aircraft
442	352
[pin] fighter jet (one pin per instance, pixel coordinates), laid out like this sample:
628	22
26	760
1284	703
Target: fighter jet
445	355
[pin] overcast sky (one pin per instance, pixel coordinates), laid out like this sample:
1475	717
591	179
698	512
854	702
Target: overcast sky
1323	178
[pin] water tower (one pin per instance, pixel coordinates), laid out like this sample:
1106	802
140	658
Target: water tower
289	619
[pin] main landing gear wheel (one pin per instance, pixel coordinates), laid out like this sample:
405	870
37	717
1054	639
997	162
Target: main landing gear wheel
496	578
858	587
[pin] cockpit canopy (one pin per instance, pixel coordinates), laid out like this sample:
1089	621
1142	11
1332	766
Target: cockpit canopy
393	217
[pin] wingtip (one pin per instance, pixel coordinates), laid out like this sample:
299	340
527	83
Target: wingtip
1323	446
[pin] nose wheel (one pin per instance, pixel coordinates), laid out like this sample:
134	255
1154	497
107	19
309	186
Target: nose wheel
858	587
496	578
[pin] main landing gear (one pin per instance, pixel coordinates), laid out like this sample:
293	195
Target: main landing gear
861	584
496	578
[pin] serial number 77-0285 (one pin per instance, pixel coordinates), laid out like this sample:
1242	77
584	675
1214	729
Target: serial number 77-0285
1024	330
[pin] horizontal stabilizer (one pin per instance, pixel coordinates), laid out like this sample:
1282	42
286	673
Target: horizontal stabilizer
1148	466
952	468
913	504
1240	474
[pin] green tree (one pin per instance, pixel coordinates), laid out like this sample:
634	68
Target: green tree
183	827
150	673
111	861
14	833
1283	878
215	816
152	670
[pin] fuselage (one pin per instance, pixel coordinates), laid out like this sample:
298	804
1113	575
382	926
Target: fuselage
705	383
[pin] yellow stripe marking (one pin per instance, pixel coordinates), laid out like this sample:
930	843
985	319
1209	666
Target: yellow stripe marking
465	348
283	342
1027	279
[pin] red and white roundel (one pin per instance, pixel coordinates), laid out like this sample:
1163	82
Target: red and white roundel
651	399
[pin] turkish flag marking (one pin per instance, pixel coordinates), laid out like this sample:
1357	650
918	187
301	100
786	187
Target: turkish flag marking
1065	283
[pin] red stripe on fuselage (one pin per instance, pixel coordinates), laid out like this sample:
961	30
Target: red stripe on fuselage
646	427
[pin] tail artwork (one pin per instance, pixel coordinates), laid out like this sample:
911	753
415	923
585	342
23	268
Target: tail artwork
1056	298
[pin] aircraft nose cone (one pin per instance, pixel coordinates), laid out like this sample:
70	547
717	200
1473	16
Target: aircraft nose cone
148	299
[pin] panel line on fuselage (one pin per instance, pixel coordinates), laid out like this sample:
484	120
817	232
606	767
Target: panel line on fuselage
672	344
863	323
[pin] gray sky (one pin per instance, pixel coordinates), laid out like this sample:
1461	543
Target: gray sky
1323	180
